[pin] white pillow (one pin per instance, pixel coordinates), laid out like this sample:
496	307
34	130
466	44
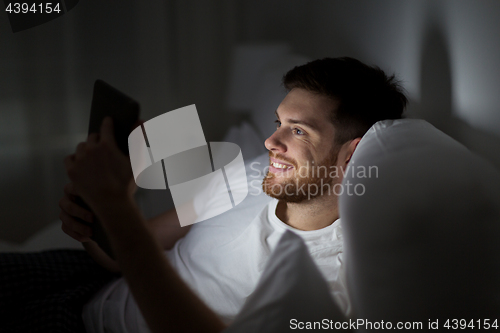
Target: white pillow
249	141
422	241
291	292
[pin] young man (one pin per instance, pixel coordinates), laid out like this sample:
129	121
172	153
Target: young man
330	104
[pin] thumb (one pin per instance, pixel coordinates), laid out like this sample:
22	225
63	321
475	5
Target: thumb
107	131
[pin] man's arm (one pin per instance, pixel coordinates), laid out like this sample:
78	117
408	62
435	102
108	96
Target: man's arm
102	176
166	302
165	227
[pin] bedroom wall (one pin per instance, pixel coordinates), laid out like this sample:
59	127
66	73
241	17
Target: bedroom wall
173	53
445	52
166	54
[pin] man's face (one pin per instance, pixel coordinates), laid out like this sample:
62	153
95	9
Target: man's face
301	150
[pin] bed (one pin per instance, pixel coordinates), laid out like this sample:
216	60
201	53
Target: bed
421	242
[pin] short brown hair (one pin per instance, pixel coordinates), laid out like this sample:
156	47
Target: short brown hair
363	94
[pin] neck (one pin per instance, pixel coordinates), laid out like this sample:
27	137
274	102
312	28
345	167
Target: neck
313	214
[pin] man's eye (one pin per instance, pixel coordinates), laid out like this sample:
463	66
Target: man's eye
278	123
298	131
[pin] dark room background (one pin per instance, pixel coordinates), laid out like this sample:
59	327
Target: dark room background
169	54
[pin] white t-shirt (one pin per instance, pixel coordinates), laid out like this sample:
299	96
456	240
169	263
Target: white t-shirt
222	268
221	259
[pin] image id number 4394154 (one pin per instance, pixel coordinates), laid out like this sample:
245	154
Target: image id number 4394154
481	324
41	8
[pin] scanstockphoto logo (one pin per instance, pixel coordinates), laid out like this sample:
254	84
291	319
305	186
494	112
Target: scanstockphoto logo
28	14
170	151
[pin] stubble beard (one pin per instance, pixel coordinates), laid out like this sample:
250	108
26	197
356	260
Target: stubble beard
297	187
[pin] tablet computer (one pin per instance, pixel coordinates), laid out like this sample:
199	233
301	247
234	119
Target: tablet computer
108	101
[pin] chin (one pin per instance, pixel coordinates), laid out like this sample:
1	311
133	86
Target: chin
295	190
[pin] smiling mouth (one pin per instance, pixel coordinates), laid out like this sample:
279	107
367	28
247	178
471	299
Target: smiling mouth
281	166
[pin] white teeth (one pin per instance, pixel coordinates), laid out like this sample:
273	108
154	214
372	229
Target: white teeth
280	166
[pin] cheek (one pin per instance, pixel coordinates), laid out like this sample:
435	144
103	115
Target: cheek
306	153
303	152
315	151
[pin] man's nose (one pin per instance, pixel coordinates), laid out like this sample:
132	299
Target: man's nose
275	142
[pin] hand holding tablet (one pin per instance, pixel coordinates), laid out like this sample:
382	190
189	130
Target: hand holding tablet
124	111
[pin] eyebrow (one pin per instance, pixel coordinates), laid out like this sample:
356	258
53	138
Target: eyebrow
300	122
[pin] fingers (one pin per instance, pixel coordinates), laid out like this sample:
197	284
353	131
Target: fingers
69	161
80	150
71	208
69	190
93	139
107	131
75	229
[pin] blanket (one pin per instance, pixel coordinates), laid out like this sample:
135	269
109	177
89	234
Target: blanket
45	291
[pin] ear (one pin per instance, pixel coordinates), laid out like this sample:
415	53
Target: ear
350	147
